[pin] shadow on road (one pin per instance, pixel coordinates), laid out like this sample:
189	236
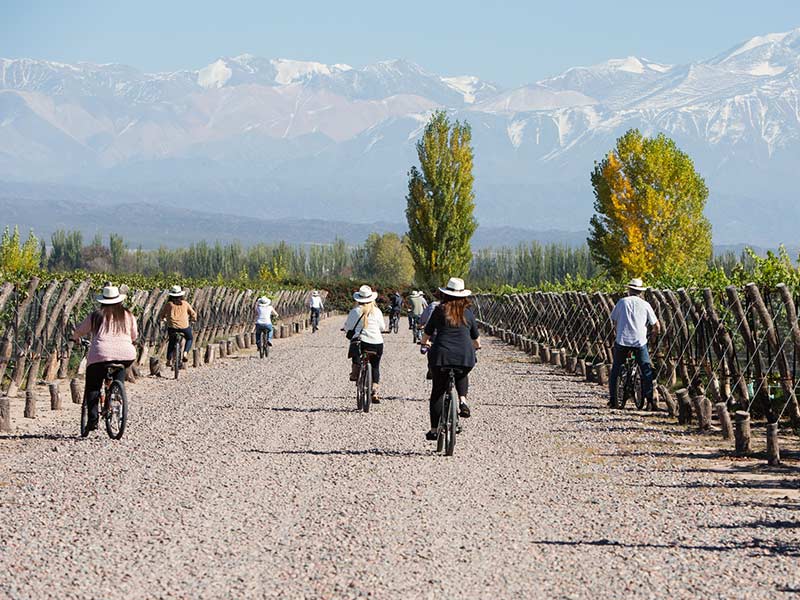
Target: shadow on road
43	436
769	546
310	409
370	451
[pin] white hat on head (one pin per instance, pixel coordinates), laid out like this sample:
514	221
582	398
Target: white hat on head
176	291
315	293
365	294
111	295
636	284
264	300
413	294
455	287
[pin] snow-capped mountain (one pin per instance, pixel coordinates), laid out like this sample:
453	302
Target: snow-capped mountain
259	136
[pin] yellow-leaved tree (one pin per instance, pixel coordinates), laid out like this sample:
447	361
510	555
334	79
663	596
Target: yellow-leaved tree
649	202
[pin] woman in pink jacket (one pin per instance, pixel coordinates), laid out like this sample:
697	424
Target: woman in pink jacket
113	330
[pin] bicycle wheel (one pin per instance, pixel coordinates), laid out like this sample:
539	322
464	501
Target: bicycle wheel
360	389
621	388
636	384
176	359
396	326
367	393
84	418
452	423
116	410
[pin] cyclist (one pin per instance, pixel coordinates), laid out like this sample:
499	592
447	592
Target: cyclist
177	313
367	323
264	313
395	306
113	330
418	306
316	305
456	339
631	316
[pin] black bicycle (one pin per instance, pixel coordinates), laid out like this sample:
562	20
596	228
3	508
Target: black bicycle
314	320
113	405
629	383
177	353
416	331
448	421
394	321
364	383
262	341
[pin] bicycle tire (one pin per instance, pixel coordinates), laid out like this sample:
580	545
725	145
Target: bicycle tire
452	423
176	359
84	418
636	384
621	388
360	389
116	410
367	387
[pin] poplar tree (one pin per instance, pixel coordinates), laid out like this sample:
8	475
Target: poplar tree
649	202
440	202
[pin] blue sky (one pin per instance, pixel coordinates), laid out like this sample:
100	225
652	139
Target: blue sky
511	43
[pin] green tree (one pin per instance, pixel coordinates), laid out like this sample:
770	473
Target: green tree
649	203
65	253
18	256
117	247
385	259
440	202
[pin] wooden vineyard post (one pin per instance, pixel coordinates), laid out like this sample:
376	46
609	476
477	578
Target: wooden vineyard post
196	360
209	354
773	450
75	391
30	405
155	366
724	420
684	407
55	397
665	395
742	432
5	414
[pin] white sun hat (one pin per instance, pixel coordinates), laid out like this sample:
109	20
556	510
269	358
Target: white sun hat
176	291
415	294
455	287
315	293
636	284
365	294
111	295
264	300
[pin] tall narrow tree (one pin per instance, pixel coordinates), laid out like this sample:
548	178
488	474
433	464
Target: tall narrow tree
649	203
440	202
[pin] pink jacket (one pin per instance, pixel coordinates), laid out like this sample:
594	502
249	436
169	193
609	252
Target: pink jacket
107	345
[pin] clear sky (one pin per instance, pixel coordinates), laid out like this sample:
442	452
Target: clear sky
511	43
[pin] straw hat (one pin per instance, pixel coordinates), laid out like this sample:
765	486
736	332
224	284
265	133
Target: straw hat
455	287
414	294
315	293
176	291
111	295
264	300
365	294
636	284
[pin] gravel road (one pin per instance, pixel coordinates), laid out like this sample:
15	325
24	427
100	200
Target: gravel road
254	479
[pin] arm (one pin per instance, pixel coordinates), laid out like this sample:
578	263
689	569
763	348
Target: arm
192	312
474	334
134	329
83	329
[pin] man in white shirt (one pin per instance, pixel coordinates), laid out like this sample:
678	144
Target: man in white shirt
316	305
632	315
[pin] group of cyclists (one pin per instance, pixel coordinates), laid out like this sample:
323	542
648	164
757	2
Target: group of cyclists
450	337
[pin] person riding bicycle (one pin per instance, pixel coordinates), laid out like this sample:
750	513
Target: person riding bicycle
264	313
456	339
368	324
177	313
631	316
316	305
418	306
395	306
113	330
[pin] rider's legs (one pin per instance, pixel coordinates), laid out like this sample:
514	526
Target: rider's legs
646	369
95	375
187	333
270	331
172	341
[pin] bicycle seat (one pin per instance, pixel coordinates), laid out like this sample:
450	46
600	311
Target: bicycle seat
114	367
369	353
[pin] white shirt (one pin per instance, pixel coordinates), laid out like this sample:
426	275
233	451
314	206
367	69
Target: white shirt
632	315
316	302
371	333
264	312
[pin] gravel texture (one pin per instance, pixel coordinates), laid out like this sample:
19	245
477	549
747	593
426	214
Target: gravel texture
254	479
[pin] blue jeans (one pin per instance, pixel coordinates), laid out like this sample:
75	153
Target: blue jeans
645	367
173	340
261	331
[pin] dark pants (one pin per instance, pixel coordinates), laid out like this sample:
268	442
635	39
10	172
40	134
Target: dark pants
95	375
173	340
375	360
643	360
263	331
314	314
440	380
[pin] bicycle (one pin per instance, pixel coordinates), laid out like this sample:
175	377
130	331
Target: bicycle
394	322
416	331
448	421
364	383
113	404
177	354
314	320
262	341
629	383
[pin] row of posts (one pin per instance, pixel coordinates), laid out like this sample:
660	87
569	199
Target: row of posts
684	406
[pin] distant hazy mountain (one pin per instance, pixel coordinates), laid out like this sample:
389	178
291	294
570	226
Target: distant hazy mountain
274	138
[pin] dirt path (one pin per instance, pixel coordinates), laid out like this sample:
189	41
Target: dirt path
258	479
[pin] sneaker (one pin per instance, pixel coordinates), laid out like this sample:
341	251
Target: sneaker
375	399
432	435
269	342
185	357
463	410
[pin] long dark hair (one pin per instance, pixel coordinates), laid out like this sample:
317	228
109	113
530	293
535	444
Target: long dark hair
112	317
454	310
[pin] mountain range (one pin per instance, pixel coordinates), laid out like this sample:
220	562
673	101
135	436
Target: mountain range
269	139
